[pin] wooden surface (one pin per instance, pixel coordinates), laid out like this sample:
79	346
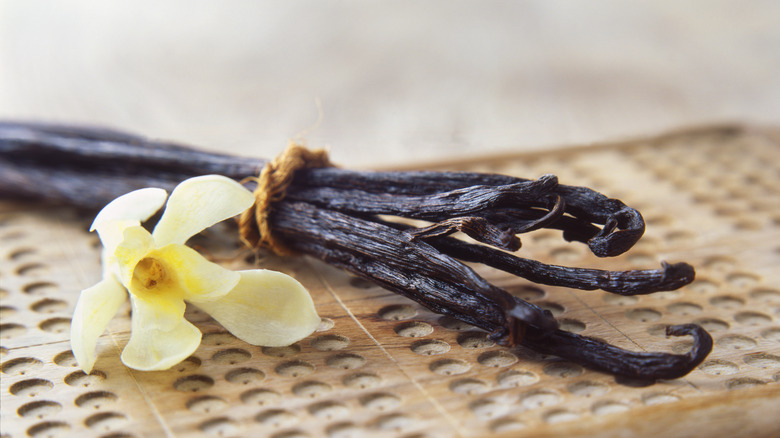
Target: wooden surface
381	366
398	81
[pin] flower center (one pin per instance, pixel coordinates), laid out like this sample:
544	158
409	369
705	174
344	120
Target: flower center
149	272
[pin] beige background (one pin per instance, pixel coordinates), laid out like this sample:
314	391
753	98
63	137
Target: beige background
398	82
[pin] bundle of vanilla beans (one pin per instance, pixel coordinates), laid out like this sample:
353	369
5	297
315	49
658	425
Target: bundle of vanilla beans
358	221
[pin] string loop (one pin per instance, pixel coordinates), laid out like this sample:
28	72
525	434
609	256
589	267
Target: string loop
275	177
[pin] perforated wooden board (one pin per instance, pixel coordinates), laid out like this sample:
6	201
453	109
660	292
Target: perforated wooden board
380	365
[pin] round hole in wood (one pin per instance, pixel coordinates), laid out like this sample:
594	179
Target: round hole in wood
193	383
6	312
277	418
608	407
39	409
311	389
752	318
21	366
11	330
380	401
49	305
294	368
49	429
713	325
21	253
469	386
736	342
106	421
330	342
413	329
231	356
772	334
260	397
449	367
620	300
245	376
667	295
32	269
571	325
429	347
515	378
344	430
488	408
346	361
95	399
719	263
329	410
560	416
563	369
742	279
540	398
507	424
762	360
497	358
475	340
56	325
769	296
207	404
362	380
643	315
220	426
397	312
728	302
40	288
79	378
657	398
744	383
396	422
588	388
684	308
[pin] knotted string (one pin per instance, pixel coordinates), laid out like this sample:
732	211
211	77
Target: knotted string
272	184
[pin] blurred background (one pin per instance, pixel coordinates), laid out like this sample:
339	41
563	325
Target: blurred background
385	83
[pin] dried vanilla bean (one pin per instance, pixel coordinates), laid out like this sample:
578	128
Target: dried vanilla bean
623	225
634	282
343	241
346	218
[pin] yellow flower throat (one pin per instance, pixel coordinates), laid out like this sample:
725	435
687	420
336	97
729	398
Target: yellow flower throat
149	272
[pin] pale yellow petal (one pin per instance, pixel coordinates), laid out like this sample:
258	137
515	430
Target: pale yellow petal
135	245
94	309
158	311
198	203
153	348
126	210
266	308
197	278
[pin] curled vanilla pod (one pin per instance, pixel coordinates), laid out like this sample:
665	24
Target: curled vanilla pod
350	219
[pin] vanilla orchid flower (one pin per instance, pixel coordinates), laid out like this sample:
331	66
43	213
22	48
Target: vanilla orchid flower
259	306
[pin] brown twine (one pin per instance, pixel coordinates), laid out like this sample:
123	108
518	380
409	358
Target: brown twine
272	184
